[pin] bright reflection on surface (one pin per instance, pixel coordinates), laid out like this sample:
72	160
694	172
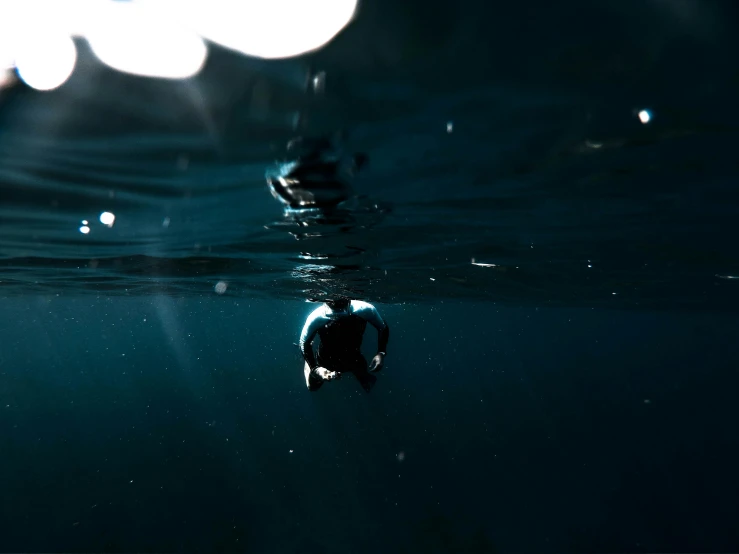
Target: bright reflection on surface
262	28
107	218
482	264
45	61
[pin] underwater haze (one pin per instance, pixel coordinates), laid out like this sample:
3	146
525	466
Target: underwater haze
541	200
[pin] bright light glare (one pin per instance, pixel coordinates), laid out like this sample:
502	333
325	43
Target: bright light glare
107	218
84	229
158	38
261	28
138	41
44	61
645	116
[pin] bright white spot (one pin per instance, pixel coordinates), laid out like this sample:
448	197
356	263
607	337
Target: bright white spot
728	276
130	38
449	127
613	293
401	456
432	278
221	287
291	452
44	58
84	222
590	265
107	218
319	82
84	229
645	116
261	28
165	223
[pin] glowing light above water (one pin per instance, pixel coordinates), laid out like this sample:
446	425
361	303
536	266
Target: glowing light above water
263	29
158	38
132	40
45	61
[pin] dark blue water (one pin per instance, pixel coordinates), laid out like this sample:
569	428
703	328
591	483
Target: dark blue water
560	280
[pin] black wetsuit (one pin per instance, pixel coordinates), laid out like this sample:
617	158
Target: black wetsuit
341	336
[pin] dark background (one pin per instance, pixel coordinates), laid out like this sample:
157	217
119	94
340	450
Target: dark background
160	425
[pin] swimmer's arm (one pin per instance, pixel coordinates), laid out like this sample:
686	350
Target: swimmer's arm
373	317
312	324
383	335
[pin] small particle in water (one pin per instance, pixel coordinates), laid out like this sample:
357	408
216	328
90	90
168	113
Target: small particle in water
401	456
432	278
84	229
645	116
107	218
613	293
291	451
84	222
727	276
131	481
647	401
590	265
449	126
221	287
165	223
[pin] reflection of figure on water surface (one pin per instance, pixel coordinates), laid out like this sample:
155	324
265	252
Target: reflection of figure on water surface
318	179
340	326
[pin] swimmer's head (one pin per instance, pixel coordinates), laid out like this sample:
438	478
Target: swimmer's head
339	304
